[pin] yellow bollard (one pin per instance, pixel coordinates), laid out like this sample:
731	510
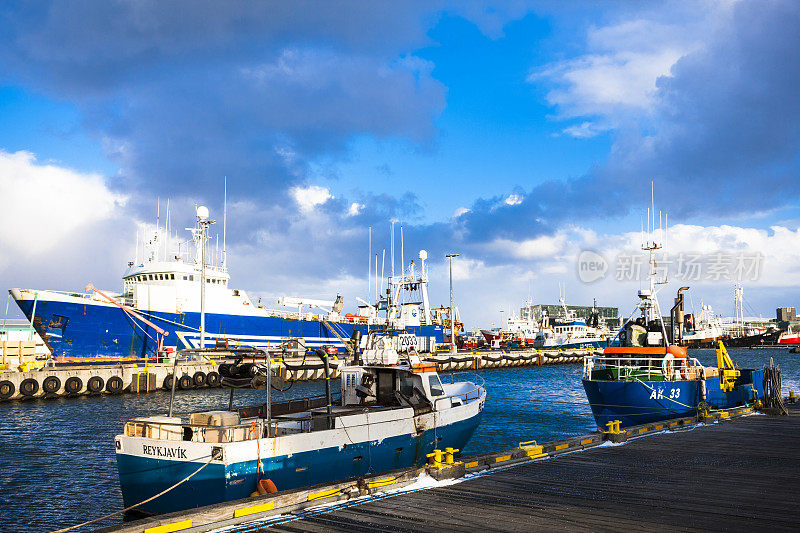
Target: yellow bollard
613	426
437	458
448	456
792	397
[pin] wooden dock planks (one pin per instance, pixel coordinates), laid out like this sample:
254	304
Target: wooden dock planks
738	475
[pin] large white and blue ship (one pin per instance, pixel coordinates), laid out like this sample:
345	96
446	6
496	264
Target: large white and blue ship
392	412
161	291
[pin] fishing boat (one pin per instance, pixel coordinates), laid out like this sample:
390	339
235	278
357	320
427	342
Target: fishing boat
159	306
392	411
643	377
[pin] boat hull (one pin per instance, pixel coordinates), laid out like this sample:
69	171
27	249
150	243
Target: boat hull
143	476
642	402
86	328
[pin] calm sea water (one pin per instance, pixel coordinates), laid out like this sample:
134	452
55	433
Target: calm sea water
57	465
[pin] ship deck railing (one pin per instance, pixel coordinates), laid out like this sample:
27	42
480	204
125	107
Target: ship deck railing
634	367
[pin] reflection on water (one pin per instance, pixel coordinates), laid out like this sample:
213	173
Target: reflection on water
58	466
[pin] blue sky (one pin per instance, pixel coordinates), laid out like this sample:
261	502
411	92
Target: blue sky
516	133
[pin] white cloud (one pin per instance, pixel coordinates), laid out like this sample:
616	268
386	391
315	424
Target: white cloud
584	130
545	246
308	198
355	209
43	205
618	71
460	211
514	199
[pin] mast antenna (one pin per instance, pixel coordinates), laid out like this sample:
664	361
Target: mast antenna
224	223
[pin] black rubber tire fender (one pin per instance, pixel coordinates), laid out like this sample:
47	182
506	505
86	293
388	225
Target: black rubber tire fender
95	384
51	385
29	387
73	385
167	383
7	389
185	382
213	380
199	379
114	385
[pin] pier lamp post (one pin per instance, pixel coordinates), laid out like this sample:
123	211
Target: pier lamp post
204	222
501	319
452	315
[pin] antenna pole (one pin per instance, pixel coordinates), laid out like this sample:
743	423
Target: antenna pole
369	269
225	224
402	254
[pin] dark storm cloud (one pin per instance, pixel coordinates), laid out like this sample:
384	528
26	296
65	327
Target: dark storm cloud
723	139
182	93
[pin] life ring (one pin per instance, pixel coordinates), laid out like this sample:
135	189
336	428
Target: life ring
29	387
114	385
7	389
73	385
167	383
51	385
199	379
95	384
185	382
213	379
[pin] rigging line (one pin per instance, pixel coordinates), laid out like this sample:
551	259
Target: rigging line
563	411
151	498
663	397
496	398
133	321
167	320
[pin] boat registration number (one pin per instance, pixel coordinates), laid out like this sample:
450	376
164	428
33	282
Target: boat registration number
660	394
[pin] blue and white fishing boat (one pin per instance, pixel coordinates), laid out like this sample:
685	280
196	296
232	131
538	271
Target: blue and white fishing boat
642	377
393	410
160	303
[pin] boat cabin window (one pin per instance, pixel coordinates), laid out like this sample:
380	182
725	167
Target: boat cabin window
172	276
406	384
435	385
385	393
185	278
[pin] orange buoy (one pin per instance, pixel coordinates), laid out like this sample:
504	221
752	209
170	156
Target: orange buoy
266	486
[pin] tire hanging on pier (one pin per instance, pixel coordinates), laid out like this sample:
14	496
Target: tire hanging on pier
73	385
7	389
212	380
95	384
114	385
199	379
29	387
167	383
185	382
51	385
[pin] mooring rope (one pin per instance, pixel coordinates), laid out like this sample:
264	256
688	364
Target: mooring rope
151	498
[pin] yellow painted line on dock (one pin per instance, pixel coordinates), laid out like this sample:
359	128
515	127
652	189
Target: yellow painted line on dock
673	424
323	494
643	430
562	447
382	482
253	509
502	458
168	528
587	441
472	464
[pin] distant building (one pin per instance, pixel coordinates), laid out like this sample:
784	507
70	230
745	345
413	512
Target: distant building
787	314
609	315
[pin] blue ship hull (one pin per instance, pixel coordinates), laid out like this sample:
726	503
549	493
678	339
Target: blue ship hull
141	478
90	330
642	402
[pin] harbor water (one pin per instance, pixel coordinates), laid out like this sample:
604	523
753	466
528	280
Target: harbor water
58	466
